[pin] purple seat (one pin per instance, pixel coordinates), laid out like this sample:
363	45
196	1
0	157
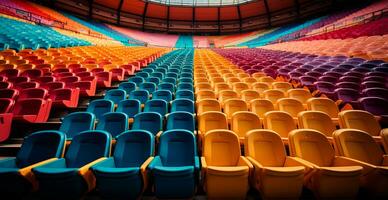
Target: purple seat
375	78
381	69
376	62
326	88
352	73
353	79
347	95
308	81
361	69
283	72
301	70
314	74
326	66
347	66
376	92
351	85
335	74
374	73
327	78
372	84
375	105
368	65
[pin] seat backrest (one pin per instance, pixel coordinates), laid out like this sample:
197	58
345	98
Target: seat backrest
6	105
283	86
100	106
361	120
181	120
375	105
28	106
128	86
166	86
205	105
77	122
137	80
249	95
205	94
8	93
301	95
227	94
40	146
133	147
150	87
113	122
177	148
312	146
280	122
325	105
33	93
289	105
156	105
130	107
212	120
234	105
221	148
261	106
184	94
182	105
273	95
116	95
87	147
358	145
244	121
162	94
141	95
316	120
266	147
149	121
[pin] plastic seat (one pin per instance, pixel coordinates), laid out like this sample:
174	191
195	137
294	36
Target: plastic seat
224	170
76	122
249	95
226	94
33	74
33	93
142	74
301	95
211	120
325	105
32	110
186	80
205	94
70	177
99	107
9	93
280	122
234	105
273	95
124	175
184	94
242	122
218	87
185	86
115	95
137	80
167	86
130	107
325	174
272	174
283	86
156	105
141	95
186	105
176	166
16	178
318	121
239	87
205	105
87	86
361	120
149	121
376	92
162	95
375	105
150	87
181	120
203	86
291	106
153	80
261	106
169	80
5	85
128	87
114	123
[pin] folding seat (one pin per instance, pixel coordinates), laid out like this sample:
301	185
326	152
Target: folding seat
221	87
163	95
156	105
242	122
9	93
325	174
232	80
347	95
130	107
224	170
184	94
33	93
161	70
273	95
181	120
239	87
326	88
32	110
280	122
249	95
291	106
318	121
141	95
33	74
169	80
261	106
87	86
361	120
114	123
104	79
70	177
211	120
260	87
186	105
26	85
150	87
153	80
171	75
142	74
148	70
272	174
308	81
18	79
76	122
167	86
45	79
242	75
117	73
375	92
203	86
227	94
157	75
128	87
283	86
325	105
185	86
186	80
149	121
137	80
231	106
9	73
115	95
301	95
6	116
100	106
16	178
375	105
250	81
205	105
5	85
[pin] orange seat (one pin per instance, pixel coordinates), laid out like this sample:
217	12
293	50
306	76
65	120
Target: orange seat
205	105
261	106
242	122
231	106
280	122
273	95
325	105
318	121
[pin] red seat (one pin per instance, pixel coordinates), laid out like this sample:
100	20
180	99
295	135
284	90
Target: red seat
33	74
87	86
97	70
3	78
53	85
65	97
117	74
63	74
32	110
84	74
9	93
9	73
60	70
45	79
104	79
129	69
5	118
18	79
70	80
45	68
6	105
5	85
26	85
39	93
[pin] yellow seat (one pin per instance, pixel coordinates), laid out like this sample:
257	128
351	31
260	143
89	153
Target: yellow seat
260	87
325	174
291	106
239	87
225	172
228	75
258	75
325	105
215	80
226	94
200	80
274	175
273	95
242	75
249	95
211	120
280	122
205	94
203	86
205	105
266	79
261	106
244	121
232	80
283	86
318	121
231	106
361	120
250	81
221	87
301	95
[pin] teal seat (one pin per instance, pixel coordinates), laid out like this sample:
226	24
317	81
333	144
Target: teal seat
69	177
38	148
100	106
114	123
141	95
155	80
77	122
124	175
175	170
128	87
156	105
137	80
150	87
169	80
130	107
184	94
116	95
167	86
163	95
183	104
149	121
143	74
181	120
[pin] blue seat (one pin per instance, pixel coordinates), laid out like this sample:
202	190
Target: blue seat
114	123
128	86
159	75
16	178
115	95
187	70
150	87
130	107
183	105
186	80
142	74
175	70
181	120
167	86
100	106
187	75
172	75
162	94
77	122
155	80
169	80
137	80
149	121
184	94
148	70
176	167
185	86
124	175
161	70
141	95
156	105
69	177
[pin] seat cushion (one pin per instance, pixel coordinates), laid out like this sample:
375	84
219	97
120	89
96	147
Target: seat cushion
117	172
55	172
174	171
9	171
341	171
228	171
283	171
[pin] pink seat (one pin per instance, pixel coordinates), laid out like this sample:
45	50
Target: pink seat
39	93
32	110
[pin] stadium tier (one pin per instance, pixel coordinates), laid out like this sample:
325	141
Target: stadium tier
187	99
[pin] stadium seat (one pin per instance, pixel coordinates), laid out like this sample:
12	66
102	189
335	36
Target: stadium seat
318	121
32	110
226	94
242	122
99	107
175	169
130	107
128	87
273	95
325	174
148	86
137	80
38	93
77	122
181	120
205	105
274	176
301	95
115	95
167	86
283	86
205	94
9	93
375	105
211	120
114	123
280	122
224	170
184	94
234	105
37	149
162	95
325	105
149	121
291	106
70	177
156	105
249	95
261	106
186	105
141	95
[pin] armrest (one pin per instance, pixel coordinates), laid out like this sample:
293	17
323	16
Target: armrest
58	163
309	168
26	172
109	162
8	163
155	162
88	175
197	164
344	161
143	169
255	179
159	134
204	168
256	164
385	160
242	161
